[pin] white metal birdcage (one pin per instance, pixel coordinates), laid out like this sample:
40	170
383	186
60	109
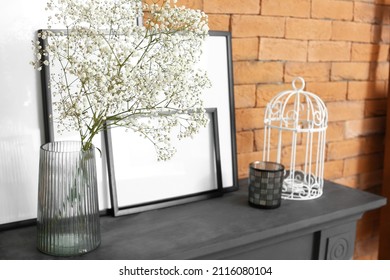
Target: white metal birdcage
295	124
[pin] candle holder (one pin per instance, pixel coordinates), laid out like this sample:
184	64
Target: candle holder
265	184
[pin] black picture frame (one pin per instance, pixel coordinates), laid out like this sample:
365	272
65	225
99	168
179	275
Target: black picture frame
120	210
217	60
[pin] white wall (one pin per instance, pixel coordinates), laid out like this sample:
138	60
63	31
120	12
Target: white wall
21	118
21	122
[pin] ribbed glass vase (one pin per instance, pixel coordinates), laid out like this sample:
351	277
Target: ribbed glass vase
68	212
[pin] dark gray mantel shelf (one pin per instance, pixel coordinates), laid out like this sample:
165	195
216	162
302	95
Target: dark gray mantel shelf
224	228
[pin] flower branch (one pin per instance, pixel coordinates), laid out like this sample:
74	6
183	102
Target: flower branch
112	70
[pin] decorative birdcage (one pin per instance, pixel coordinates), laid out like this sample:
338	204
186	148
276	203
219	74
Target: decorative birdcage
295	124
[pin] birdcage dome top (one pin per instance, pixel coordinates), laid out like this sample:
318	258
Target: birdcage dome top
296	110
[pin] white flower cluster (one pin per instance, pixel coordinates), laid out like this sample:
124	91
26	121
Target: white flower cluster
114	71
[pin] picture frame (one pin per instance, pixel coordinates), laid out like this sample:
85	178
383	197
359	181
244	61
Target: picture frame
138	182
217	60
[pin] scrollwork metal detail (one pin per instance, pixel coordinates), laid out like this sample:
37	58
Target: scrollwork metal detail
304	115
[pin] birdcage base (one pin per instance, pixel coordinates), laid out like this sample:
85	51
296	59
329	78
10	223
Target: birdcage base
298	186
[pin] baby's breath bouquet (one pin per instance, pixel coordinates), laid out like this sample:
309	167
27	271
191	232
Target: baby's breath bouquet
116	71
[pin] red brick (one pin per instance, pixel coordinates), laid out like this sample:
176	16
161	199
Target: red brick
192	4
292	8
308	29
286	139
259	139
232	6
299	156
368	226
366	90
247	119
385	38
335	131
245	96
328	91
281	49
385	34
351	71
385	16
265	92
367	12
380	71
252	72
351	31
376	108
370	179
381	34
343	149
372	216
219	22
330	9
312	71
252	26
347	110
244	159
354	147
363	164
369	52
245	48
383	2
333	169
245	142
367	249
350	181
329	51
355	128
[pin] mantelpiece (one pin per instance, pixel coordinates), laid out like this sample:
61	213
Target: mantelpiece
224	228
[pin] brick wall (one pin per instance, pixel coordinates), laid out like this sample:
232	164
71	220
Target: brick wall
341	49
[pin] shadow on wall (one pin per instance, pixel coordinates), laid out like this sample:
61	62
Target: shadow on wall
379	51
380	35
375	91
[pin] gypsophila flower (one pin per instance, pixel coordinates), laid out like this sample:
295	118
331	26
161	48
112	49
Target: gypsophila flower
114	71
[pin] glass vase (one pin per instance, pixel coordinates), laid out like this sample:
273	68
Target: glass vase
68	212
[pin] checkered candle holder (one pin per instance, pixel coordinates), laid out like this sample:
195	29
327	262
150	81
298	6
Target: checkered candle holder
265	184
